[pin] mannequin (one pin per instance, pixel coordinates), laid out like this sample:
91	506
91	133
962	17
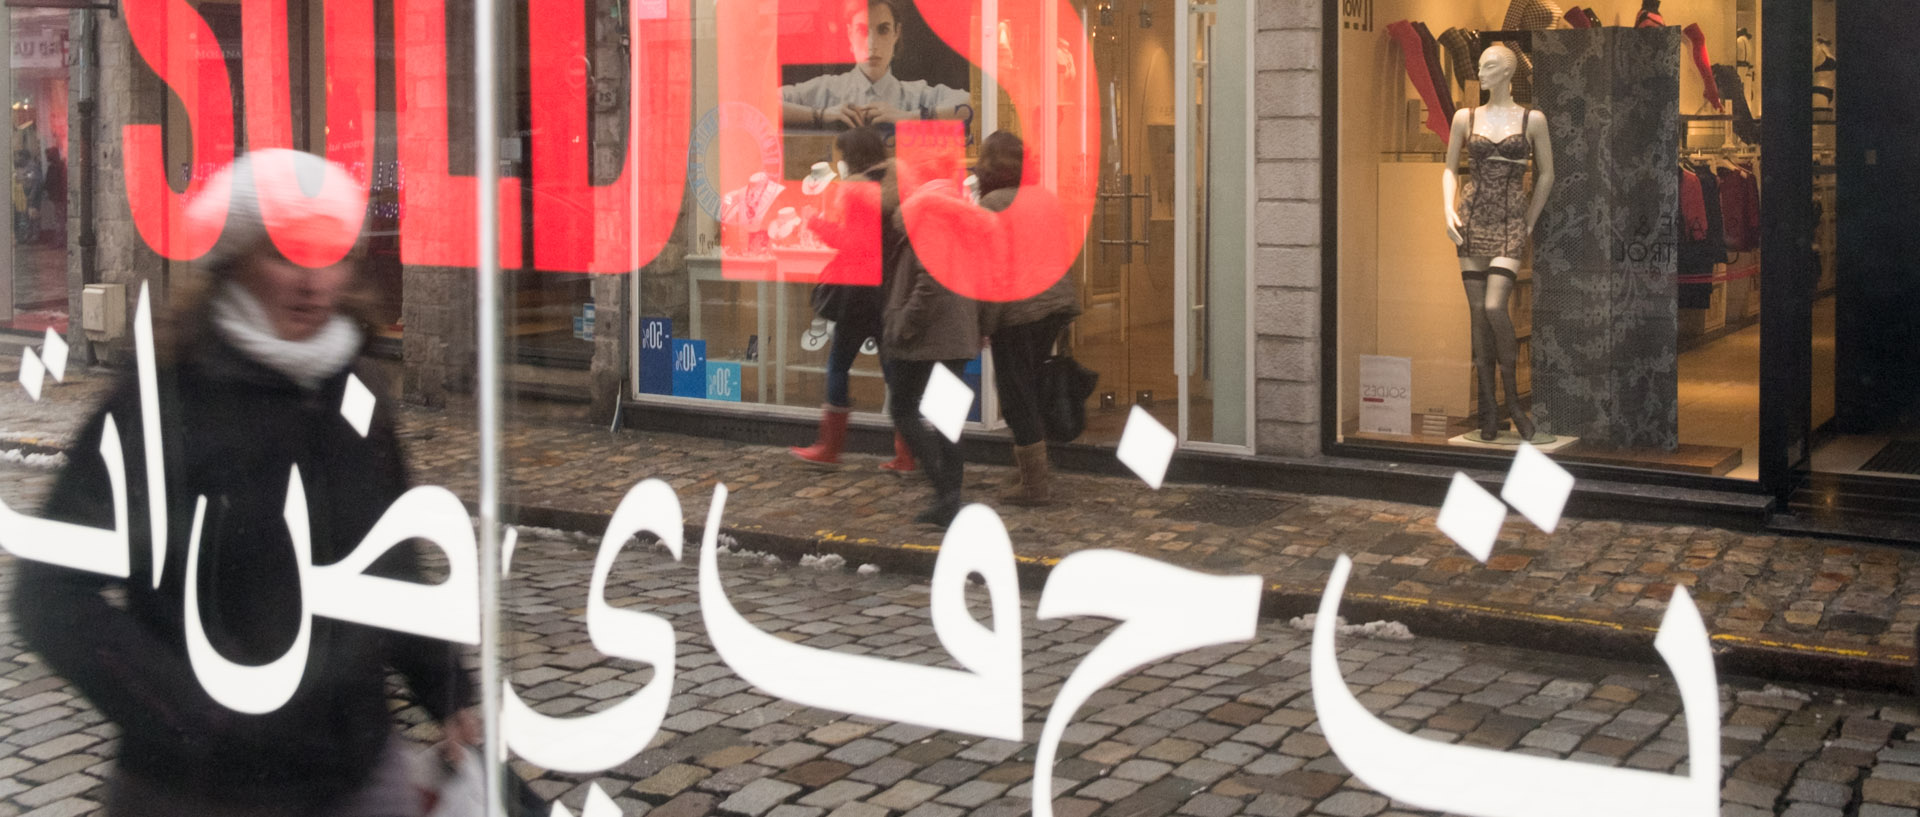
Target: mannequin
1824	69
1489	220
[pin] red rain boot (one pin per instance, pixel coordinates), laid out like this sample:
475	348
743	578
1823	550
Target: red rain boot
902	462
833	435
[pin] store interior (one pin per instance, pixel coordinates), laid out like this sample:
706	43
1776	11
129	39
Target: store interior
1400	291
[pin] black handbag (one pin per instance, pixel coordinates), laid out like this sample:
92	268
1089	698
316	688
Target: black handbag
1065	386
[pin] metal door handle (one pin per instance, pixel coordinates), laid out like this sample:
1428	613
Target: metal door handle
1125	197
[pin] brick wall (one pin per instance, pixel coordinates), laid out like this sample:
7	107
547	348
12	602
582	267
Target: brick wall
1286	315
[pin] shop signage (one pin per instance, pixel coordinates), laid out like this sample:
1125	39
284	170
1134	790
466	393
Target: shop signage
690	368
579	226
583	323
656	356
1356	15
723	381
40	48
1386	394
1163	610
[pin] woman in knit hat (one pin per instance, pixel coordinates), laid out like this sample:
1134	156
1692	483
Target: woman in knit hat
254	367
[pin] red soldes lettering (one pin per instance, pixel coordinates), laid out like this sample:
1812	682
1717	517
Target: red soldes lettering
437	208
620	226
350	95
168	34
1045	64
1042	59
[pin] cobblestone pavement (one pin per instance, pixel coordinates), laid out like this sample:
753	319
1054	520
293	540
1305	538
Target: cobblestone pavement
1829	598
1224	731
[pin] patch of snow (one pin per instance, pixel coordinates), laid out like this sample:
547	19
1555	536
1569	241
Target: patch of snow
831	561
869	569
33	459
1786	693
1383	630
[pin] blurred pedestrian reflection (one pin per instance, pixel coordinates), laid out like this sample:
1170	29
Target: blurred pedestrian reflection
254	361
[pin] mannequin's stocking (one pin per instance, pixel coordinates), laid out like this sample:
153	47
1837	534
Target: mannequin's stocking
1413	52
1711	88
1431	49
1506	348
1483	356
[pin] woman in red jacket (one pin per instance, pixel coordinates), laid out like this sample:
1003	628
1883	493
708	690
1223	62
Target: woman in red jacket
850	291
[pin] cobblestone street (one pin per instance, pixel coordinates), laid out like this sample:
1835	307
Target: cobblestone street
1212	733
1771	601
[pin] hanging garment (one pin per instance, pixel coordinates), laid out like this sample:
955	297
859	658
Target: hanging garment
1699	50
1431	50
1463	47
1734	88
1649	16
1698	253
1413	53
1527	15
1531	15
1693	206
1740	204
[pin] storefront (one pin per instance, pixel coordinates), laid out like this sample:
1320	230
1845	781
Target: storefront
1262	266
1628	332
1164	184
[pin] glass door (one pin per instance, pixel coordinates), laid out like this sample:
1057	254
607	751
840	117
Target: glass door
1128	282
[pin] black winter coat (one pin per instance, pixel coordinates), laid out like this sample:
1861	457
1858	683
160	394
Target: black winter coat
233	430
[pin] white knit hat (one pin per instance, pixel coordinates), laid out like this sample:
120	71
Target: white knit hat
314	207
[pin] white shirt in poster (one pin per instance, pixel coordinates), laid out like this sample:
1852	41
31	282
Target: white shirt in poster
853	86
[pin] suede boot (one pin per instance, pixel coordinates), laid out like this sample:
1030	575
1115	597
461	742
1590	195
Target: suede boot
833	437
1034	488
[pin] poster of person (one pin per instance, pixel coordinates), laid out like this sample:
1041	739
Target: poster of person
869	62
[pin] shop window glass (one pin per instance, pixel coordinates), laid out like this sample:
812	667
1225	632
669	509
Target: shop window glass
1624	325
34	296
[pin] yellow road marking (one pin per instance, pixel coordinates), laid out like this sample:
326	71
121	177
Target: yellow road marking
1414	601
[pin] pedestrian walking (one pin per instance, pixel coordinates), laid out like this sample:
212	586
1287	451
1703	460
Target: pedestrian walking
929	325
254	362
854	223
1022	333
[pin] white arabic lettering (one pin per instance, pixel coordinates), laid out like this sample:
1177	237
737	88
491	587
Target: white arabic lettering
982	699
1483	782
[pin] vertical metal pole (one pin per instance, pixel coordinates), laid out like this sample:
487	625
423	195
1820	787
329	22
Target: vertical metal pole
7	256
487	337
1183	272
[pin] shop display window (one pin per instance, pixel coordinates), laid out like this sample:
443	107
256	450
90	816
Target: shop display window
1602	293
